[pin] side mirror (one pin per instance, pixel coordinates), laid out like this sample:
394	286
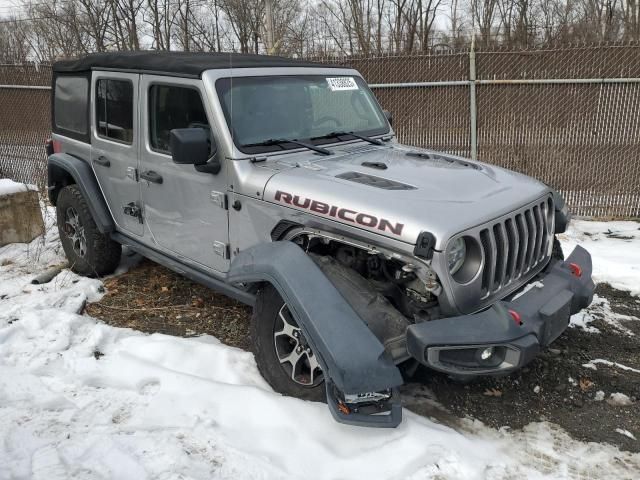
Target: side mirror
192	146
387	114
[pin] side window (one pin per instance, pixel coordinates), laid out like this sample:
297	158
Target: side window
173	107
114	109
70	104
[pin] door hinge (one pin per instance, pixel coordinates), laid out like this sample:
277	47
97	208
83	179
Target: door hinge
133	210
132	173
221	249
219	199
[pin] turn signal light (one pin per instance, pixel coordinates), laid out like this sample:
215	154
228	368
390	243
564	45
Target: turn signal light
516	317
343	408
575	269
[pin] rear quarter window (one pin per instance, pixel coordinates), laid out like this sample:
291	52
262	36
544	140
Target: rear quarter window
70	105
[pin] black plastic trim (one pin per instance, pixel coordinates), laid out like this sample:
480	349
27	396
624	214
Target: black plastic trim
544	314
191	273
425	245
348	351
281	228
60	164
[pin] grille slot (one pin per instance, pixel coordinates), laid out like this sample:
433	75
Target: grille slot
515	245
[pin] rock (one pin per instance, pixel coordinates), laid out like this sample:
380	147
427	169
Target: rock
20	215
561	387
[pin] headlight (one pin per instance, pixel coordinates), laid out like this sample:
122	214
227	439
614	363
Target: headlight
456	255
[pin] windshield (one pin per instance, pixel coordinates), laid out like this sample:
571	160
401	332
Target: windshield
260	110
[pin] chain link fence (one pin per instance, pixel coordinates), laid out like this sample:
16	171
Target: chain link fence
25	122
569	116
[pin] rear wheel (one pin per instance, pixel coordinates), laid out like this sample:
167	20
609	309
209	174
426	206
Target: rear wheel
284	357
89	252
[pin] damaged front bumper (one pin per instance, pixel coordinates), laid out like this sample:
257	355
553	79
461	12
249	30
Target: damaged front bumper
509	334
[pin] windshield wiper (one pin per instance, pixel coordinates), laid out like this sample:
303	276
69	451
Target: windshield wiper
373	141
280	141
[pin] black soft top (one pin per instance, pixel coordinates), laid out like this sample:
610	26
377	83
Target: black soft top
176	63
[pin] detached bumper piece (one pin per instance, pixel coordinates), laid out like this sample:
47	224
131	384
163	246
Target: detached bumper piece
508	335
358	372
373	409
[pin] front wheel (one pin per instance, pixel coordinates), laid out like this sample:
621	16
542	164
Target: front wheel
284	357
89	252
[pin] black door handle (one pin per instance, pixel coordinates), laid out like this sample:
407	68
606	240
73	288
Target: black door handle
151	176
102	161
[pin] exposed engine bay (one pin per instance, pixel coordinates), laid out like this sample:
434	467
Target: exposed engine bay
385	291
397	281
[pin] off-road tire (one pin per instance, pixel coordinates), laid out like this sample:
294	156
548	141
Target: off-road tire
263	322
102	254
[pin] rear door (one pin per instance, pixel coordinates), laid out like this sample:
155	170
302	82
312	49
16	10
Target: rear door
114	145
184	210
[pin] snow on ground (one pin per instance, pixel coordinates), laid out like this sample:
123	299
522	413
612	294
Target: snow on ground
8	187
592	365
601	309
626	433
615	248
81	399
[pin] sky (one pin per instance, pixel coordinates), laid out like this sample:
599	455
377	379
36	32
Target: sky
7	5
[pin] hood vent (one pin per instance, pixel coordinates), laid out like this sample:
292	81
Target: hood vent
373	181
359	148
442	161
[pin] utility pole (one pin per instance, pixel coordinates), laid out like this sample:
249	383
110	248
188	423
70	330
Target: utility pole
269	26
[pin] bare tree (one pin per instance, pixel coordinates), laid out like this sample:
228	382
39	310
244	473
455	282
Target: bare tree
125	26
14	41
160	15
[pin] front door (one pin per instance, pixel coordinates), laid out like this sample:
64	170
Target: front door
184	210
114	145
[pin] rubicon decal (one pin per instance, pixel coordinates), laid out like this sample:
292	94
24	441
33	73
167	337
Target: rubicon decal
359	218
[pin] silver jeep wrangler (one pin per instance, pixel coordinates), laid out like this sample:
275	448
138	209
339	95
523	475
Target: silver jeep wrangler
279	183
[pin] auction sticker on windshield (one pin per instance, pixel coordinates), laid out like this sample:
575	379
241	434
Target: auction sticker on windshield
337	84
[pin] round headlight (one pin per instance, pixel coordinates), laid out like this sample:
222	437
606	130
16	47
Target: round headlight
456	255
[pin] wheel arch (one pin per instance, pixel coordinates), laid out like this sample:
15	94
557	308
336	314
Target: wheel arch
64	169
328	321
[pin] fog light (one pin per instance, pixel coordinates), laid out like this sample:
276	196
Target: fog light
486	353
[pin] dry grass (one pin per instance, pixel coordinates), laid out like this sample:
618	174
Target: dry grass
151	298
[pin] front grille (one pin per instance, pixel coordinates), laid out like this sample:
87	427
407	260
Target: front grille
515	245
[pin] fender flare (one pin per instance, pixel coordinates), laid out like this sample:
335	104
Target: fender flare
562	213
61	166
349	353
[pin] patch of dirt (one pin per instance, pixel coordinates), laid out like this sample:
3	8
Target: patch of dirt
151	298
555	387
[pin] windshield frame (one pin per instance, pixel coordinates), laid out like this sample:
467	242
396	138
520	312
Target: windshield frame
300	72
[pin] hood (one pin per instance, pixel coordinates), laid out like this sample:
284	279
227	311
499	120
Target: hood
400	191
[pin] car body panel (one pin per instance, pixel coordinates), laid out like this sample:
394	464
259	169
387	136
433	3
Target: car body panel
119	186
185	214
439	185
